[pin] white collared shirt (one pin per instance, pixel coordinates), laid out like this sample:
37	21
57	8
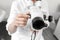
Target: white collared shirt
24	33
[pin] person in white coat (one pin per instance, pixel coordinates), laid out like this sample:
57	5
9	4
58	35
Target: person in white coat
17	21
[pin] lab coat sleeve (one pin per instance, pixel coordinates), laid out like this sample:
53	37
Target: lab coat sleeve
12	15
45	10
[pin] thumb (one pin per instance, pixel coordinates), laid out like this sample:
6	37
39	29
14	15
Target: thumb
28	13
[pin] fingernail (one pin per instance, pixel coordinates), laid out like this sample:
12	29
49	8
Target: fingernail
29	16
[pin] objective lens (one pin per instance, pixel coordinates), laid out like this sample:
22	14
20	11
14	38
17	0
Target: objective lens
38	23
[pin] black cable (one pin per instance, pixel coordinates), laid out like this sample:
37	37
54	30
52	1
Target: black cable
34	32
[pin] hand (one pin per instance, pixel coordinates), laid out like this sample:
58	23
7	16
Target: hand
21	20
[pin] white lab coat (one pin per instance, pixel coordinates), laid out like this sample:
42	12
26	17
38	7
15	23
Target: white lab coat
25	33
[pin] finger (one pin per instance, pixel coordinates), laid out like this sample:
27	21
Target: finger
21	19
18	23
26	16
21	23
19	15
28	13
22	16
